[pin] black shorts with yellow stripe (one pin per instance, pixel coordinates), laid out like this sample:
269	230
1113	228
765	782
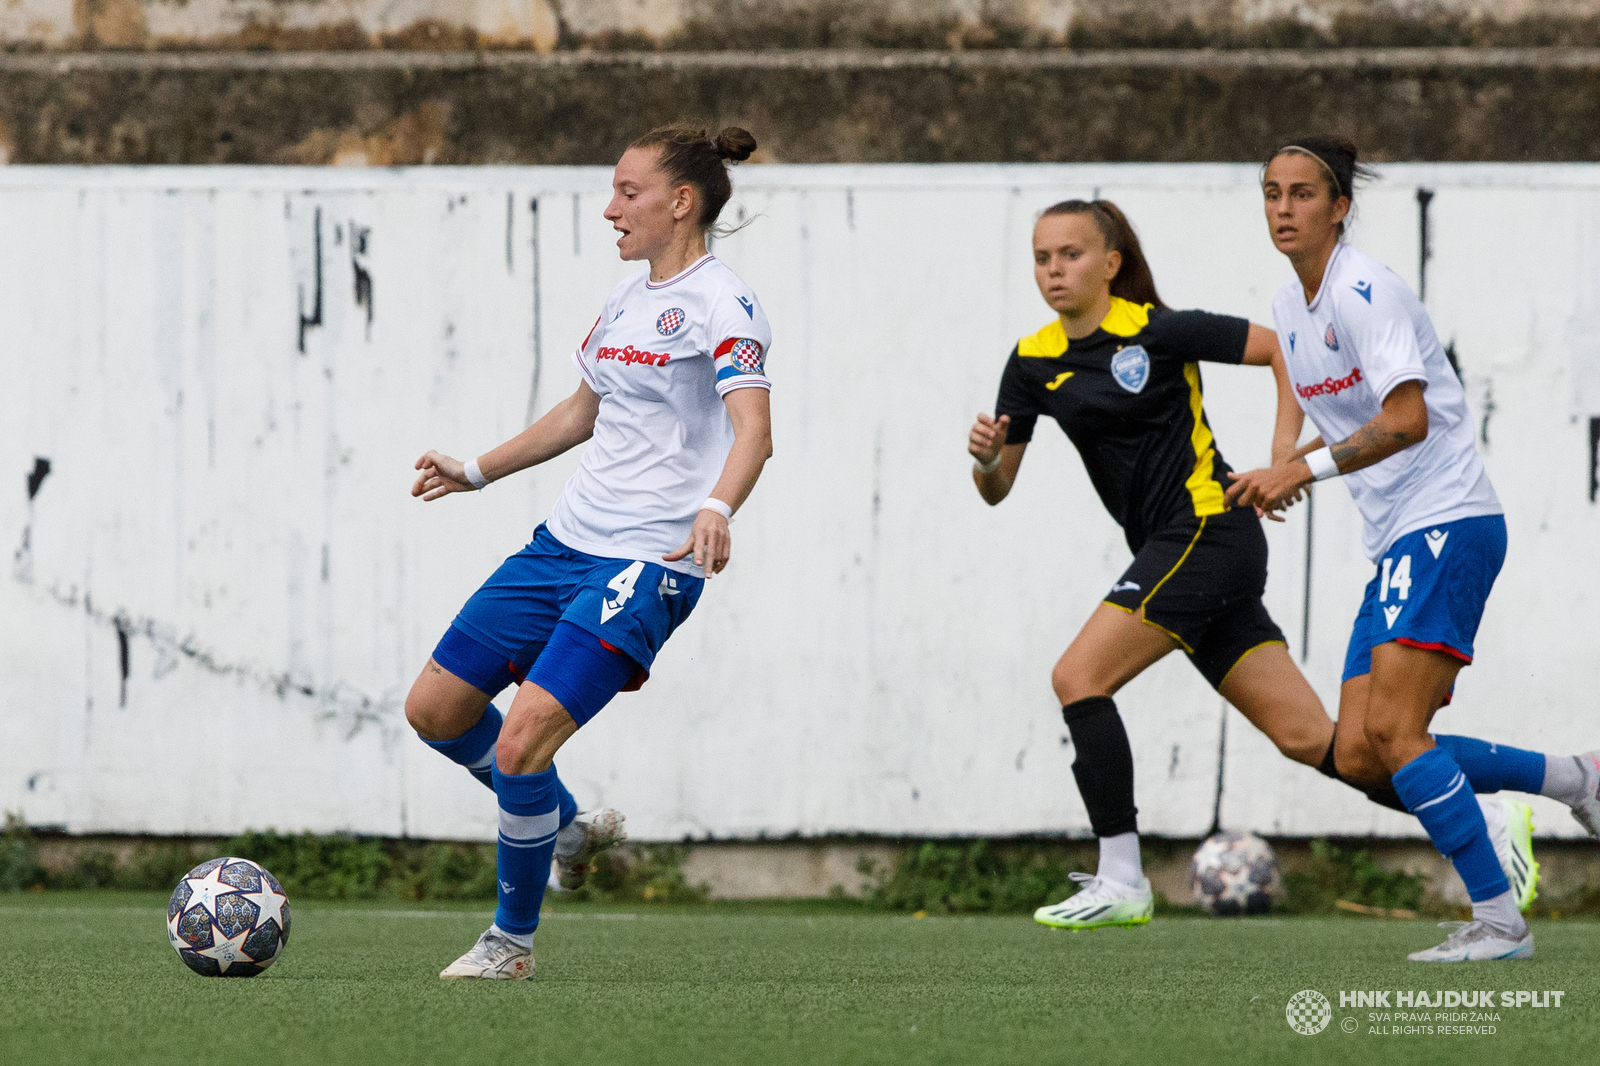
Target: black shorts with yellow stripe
1200	581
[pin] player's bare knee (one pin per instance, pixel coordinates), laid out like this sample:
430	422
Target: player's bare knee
1382	736
532	734
422	714
1354	760
1072	683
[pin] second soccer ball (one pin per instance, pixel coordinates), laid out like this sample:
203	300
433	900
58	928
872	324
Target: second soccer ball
1235	873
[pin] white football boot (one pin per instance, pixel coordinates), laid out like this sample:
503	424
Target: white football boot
1586	812
1511	832
1477	942
1100	902
492	957
596	831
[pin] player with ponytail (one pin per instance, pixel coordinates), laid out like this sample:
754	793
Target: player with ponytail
673	404
1120	374
1368	368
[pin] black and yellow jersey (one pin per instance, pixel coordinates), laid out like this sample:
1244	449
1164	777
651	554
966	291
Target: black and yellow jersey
1129	397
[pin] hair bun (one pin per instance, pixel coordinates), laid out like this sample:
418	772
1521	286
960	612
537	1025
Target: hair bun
734	144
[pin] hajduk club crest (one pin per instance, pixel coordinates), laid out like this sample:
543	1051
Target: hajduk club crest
746	355
1131	368
670	322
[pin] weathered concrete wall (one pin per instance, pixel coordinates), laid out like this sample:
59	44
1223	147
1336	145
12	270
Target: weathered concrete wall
219	589
740	24
402	108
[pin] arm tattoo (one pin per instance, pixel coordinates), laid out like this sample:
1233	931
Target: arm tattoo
1371	438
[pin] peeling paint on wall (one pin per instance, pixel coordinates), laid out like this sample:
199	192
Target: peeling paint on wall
260	573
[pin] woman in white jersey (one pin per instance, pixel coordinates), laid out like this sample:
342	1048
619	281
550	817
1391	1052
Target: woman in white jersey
673	403
1120	373
1369	370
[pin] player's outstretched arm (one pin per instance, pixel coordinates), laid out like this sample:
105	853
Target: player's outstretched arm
709	542
995	463
565	426
1262	350
1402	422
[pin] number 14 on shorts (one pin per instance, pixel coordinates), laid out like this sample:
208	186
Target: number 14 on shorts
1399	579
622	586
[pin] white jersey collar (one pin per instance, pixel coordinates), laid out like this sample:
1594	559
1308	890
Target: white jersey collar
1327	277
690	269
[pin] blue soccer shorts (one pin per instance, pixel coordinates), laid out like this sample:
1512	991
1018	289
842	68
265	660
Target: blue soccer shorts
579	626
1430	591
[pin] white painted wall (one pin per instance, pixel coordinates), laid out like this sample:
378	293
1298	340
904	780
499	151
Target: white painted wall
876	659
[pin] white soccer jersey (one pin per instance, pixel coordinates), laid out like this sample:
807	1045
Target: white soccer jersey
1364	334
661	356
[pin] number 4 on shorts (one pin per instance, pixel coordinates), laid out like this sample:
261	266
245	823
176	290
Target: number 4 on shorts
622	585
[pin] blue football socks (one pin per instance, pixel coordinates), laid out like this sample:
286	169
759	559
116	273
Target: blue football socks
1434	788
1492	767
530	815
473	749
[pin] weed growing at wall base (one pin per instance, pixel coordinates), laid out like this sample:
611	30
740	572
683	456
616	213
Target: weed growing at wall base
335	867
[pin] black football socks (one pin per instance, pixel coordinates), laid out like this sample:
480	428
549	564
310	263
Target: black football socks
1103	765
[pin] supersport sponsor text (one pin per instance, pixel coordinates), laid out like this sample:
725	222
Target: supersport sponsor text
630	354
1330	386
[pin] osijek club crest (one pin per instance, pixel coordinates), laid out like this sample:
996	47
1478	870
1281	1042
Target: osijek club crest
1131	368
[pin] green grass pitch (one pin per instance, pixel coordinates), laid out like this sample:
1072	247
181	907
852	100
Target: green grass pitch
89	978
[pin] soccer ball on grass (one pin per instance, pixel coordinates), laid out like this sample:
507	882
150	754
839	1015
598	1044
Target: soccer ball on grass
1235	873
228	918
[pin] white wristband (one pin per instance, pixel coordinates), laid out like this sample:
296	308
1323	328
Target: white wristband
987	468
1322	464
475	475
714	504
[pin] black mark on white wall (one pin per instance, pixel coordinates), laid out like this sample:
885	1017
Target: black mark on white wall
22	558
1222	756
41	470
360	236
1305	603
120	621
1453	359
1594	458
315	317
1424	244
339	702
1489	409
511	217
538	306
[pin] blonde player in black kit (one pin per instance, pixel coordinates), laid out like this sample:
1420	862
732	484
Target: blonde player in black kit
1120	374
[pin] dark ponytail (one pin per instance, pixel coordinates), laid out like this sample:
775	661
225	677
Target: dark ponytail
1134	281
691	156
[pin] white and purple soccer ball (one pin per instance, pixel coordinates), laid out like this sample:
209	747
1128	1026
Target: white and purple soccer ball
228	918
1235	873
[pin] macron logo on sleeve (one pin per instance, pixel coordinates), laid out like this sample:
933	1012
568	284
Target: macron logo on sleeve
1363	289
1330	386
749	308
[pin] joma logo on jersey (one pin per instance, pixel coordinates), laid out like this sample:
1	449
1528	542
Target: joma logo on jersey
1329	386
630	354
